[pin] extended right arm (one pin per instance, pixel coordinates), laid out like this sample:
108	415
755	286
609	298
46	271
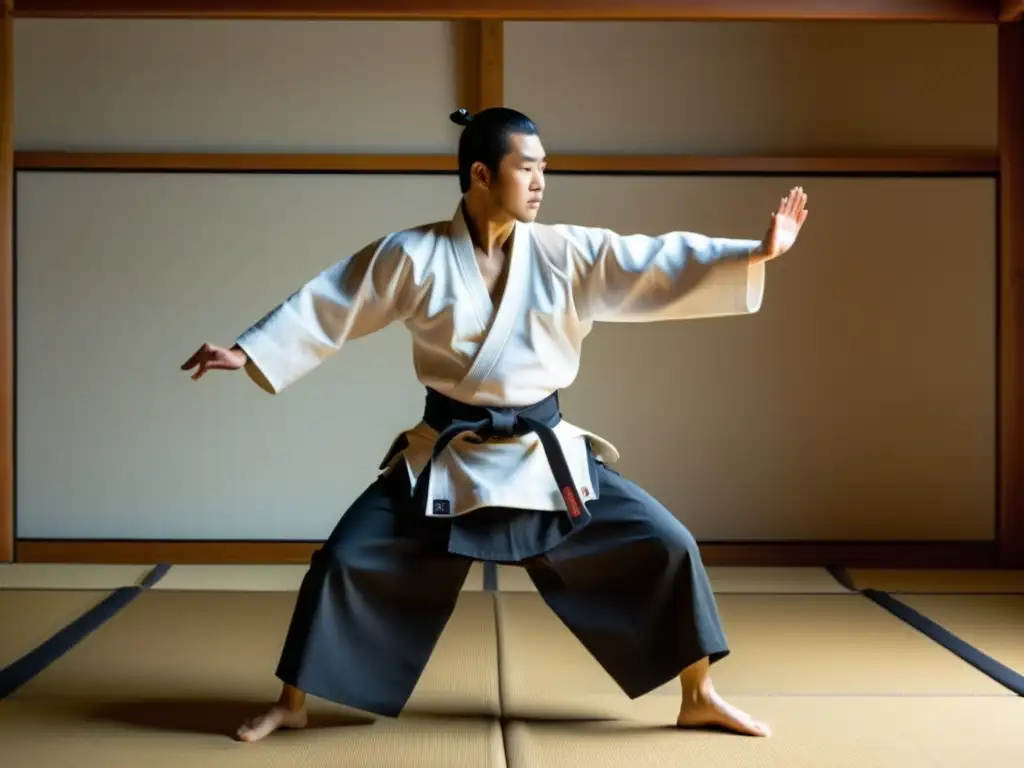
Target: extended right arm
352	298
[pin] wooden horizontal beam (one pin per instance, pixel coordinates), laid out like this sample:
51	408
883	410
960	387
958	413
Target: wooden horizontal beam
512	10
834	164
980	164
147	552
950	554
1011	10
233	162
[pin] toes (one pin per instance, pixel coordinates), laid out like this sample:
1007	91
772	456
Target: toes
736	722
759	729
256	729
746	725
263	726
246	733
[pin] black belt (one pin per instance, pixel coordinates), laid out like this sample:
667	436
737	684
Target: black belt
450	418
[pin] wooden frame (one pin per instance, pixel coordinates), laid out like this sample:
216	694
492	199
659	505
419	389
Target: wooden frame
7	533
547	10
1010	529
481	75
944	554
848	165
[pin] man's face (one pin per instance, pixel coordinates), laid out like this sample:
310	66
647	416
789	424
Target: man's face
519	186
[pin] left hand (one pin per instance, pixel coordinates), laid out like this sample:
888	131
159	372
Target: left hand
785	226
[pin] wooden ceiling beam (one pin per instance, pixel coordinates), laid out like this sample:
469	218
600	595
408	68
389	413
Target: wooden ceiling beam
516	10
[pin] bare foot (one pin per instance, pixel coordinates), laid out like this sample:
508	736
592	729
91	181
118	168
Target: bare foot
710	709
278	716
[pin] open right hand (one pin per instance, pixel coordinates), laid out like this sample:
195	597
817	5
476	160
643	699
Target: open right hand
213	358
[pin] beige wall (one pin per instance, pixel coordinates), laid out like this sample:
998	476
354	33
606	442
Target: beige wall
860	403
768	88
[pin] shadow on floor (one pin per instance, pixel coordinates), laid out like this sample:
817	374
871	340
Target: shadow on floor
207	716
223	716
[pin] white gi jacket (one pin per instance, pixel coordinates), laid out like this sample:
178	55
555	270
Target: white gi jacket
561	280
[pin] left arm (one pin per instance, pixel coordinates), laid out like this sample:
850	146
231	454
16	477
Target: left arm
674	276
677	275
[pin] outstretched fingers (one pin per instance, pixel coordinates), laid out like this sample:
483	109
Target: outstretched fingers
793	204
193	361
207	357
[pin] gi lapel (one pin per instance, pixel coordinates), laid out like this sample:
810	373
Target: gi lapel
497	323
465	260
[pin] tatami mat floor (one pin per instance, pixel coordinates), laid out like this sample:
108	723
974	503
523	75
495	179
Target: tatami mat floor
843	681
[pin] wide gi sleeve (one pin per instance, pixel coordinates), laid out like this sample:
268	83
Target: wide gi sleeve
673	276
352	298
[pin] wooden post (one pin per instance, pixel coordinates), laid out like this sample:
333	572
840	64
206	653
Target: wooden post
492	64
481	62
7	283
1010	531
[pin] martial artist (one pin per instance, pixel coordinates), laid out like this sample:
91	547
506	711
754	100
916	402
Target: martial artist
498	306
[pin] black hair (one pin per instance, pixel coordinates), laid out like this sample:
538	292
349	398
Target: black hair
485	138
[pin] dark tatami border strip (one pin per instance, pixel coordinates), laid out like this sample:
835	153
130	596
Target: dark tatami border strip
1002	674
20	672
